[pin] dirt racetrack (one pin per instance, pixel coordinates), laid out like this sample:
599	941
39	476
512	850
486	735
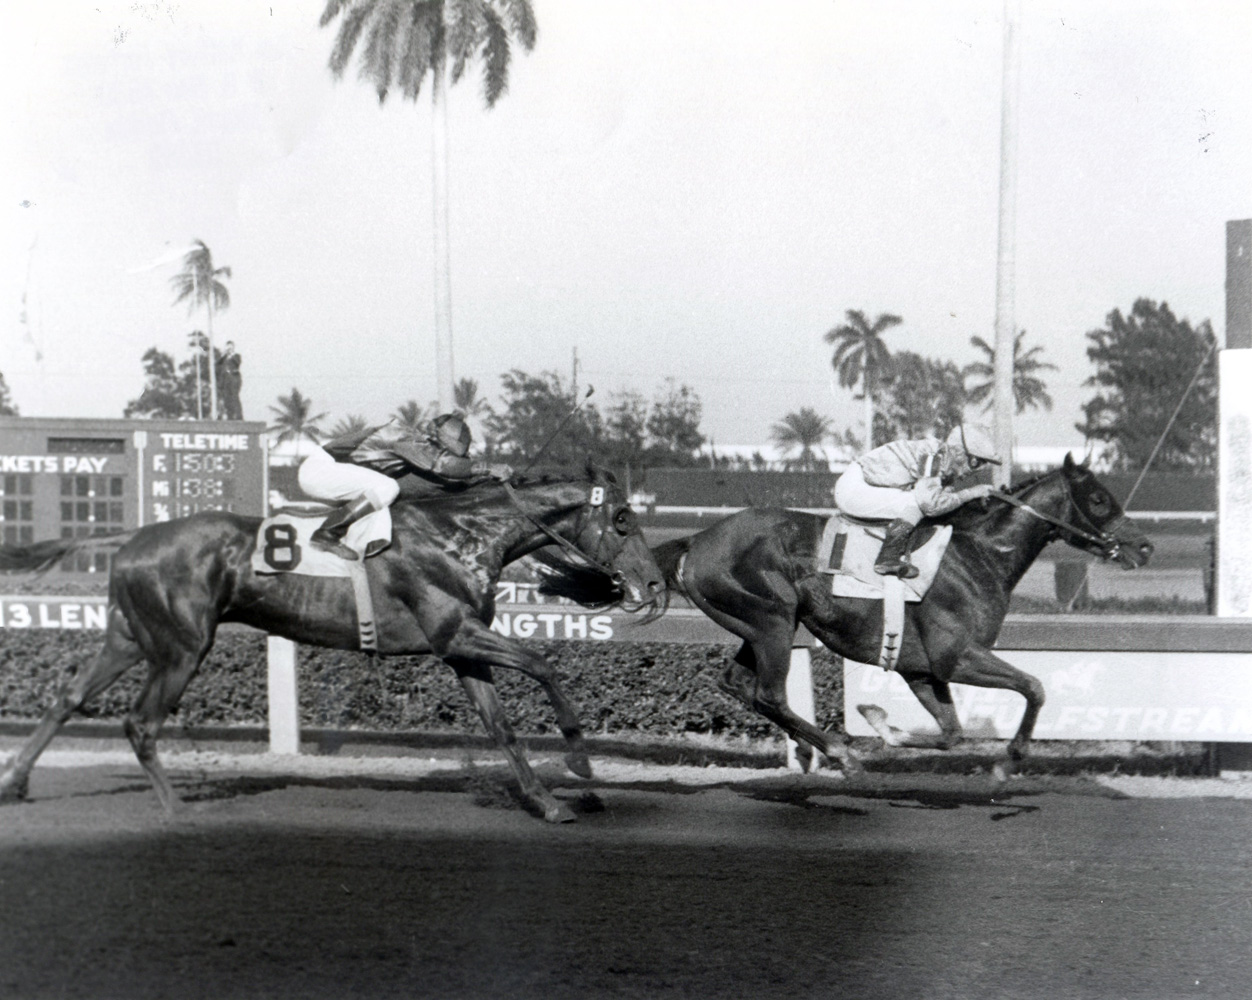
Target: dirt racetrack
323	877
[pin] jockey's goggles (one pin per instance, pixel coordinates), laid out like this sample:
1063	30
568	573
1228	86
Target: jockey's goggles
976	462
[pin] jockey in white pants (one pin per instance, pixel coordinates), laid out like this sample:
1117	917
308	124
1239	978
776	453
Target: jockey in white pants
331	473
904	481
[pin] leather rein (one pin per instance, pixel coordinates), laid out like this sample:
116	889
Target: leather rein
1107	543
565	543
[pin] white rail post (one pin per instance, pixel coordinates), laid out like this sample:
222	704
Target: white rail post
800	691
283	691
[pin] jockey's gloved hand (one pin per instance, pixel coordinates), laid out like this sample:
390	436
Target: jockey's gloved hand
502	472
976	492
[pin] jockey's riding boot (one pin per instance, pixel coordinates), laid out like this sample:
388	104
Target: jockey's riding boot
893	557
329	537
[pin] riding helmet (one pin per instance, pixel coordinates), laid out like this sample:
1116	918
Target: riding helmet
451	432
976	440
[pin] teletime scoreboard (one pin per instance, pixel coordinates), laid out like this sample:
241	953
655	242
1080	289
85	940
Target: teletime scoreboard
65	478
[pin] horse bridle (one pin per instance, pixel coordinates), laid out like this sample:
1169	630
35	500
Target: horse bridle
565	543
1105	541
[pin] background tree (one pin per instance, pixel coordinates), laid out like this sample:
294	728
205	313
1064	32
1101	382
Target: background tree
625	431
404	41
353	423
861	356
199	283
466	401
7	407
163	394
533	407
293	420
673	426
412	419
804	429
1029	390
172	390
1145	363
923	396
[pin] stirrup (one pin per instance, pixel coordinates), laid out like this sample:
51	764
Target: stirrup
904	570
327	542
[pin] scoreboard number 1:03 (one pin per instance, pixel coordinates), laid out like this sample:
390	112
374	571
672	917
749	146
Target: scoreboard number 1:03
208	463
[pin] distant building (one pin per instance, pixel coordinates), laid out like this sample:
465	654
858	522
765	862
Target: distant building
1040	458
769	458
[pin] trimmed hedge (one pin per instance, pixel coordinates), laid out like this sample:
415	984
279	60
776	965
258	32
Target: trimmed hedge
653	689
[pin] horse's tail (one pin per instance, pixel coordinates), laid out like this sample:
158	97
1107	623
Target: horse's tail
39	557
669	557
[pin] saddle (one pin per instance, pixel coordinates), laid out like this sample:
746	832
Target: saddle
283	541
849	547
848	550
283	546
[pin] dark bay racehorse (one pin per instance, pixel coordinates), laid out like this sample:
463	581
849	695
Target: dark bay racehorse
173	583
754	573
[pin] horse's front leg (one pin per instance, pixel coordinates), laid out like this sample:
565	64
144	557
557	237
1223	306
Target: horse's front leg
936	697
982	668
476	643
476	679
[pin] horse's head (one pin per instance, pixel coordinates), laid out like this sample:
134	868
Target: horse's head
613	564
1103	527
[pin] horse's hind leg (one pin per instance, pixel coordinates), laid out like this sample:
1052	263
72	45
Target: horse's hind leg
478	685
769	659
119	654
159	697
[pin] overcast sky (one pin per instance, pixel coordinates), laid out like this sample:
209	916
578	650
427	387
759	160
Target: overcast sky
684	189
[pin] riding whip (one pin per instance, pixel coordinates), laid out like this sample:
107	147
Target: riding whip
560	427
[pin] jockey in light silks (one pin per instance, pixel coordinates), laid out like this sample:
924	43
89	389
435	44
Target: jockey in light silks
904	481
332	473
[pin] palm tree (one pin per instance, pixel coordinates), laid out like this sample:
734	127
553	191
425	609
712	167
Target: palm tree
861	356
199	282
466	400
293	421
411	418
405	40
804	429
353	423
1029	391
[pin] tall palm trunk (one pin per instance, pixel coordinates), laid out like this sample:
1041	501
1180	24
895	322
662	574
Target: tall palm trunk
199	391
443	261
212	367
869	415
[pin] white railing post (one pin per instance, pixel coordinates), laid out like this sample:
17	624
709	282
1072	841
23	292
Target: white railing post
283	690
800	693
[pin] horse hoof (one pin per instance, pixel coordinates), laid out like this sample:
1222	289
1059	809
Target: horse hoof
579	763
559	813
12	791
1002	771
844	760
877	719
